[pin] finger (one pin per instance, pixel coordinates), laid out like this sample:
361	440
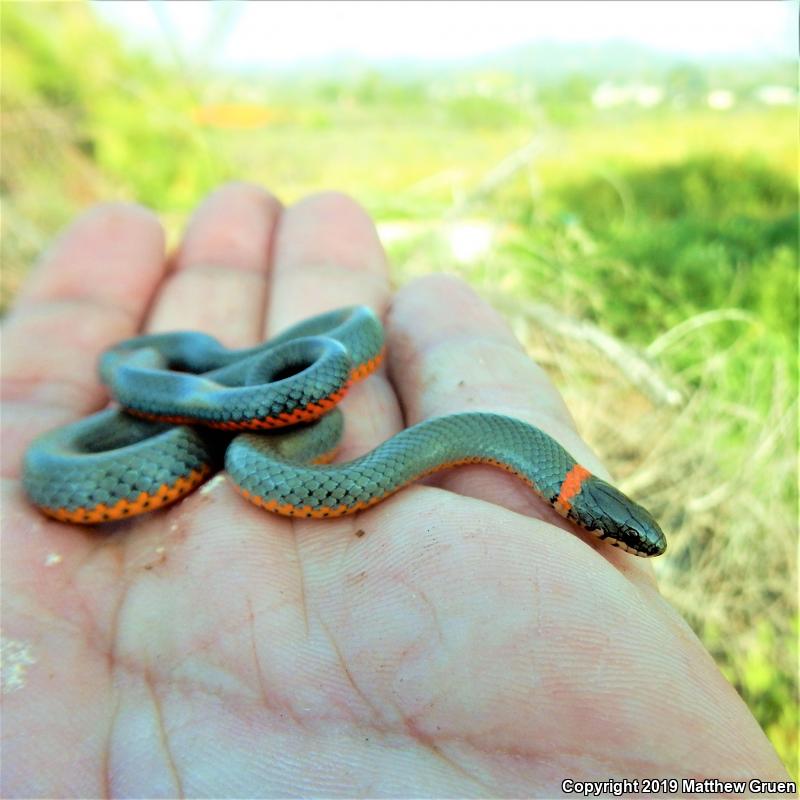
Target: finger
91	289
462	356
219	280
327	255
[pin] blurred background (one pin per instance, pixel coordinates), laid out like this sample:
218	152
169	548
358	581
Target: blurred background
619	179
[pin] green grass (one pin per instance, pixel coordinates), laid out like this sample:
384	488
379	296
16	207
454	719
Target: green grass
675	232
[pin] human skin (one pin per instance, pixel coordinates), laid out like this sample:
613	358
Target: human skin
457	640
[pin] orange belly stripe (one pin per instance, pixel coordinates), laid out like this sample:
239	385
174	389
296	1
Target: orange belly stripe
127	508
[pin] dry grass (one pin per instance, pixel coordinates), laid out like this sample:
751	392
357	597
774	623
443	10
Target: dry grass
719	474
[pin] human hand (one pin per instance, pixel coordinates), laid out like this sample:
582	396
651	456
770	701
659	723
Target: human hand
458	639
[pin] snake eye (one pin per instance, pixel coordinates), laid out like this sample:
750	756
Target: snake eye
646	532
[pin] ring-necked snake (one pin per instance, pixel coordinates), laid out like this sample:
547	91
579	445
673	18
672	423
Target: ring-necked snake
180	391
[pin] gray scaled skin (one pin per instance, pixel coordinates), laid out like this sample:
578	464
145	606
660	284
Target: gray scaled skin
272	474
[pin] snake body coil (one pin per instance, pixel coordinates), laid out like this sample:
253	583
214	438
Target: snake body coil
114	465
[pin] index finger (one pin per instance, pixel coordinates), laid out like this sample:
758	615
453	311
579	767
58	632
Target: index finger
464	357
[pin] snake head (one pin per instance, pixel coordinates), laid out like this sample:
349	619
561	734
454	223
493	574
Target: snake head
608	513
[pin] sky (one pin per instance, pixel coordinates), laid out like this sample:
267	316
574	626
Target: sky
289	32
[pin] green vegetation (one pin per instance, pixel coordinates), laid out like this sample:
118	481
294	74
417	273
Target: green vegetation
671	228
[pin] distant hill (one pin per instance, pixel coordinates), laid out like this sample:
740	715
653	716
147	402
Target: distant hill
549	62
553	61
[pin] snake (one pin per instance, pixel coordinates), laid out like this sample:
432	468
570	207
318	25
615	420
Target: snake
187	406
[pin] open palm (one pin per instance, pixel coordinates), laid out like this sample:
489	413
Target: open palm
455	640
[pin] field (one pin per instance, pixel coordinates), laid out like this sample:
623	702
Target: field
646	257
